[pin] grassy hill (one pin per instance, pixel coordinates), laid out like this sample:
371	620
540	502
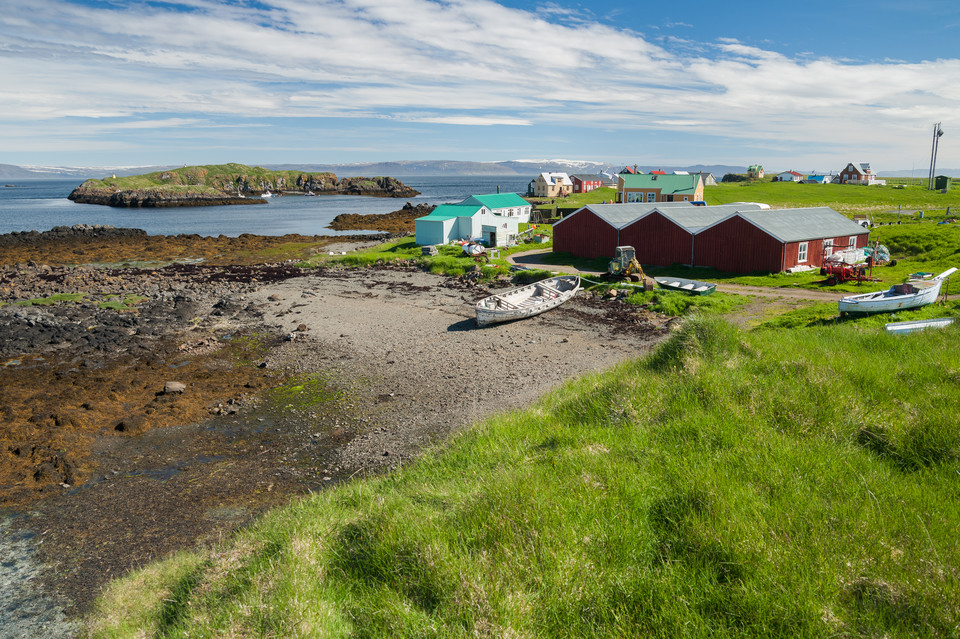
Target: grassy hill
217	177
795	483
880	202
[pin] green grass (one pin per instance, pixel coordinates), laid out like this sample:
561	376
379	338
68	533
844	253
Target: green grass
450	261
769	484
199	179
879	202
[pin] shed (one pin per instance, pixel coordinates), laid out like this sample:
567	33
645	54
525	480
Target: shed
775	240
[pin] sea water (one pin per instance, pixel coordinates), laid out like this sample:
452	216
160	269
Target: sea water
41	204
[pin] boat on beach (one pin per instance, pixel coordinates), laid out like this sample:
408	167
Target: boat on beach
691	287
528	300
911	294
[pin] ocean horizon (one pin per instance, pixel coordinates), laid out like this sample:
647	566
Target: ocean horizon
40	204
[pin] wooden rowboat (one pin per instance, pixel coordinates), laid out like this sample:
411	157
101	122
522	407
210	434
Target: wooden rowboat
912	294
691	287
528	300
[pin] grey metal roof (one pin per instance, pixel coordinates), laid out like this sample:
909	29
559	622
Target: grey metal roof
699	217
620	215
798	225
684	214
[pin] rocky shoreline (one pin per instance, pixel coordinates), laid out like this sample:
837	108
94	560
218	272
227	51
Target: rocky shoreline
146	410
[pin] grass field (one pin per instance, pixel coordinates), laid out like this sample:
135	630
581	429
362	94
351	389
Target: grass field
779	483
881	203
795	480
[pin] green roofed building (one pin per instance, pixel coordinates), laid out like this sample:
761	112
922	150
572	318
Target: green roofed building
505	204
651	187
473	221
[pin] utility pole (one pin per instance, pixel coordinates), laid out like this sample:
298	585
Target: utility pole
937	132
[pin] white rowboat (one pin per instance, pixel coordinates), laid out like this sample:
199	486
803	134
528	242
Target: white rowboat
528	300
912	294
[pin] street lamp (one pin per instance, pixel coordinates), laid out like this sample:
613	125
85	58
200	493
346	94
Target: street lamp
937	132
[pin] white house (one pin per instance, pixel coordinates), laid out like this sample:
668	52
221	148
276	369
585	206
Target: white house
449	222
788	176
505	204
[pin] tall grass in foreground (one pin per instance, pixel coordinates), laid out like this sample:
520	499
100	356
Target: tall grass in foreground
774	483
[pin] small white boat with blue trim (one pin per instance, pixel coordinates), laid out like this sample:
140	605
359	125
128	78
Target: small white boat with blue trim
911	294
528	300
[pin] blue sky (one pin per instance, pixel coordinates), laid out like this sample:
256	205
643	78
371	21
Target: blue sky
807	86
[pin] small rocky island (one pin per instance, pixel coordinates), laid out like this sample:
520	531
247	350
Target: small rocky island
227	184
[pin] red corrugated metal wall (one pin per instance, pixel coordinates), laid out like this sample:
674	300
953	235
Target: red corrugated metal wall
658	240
737	246
585	235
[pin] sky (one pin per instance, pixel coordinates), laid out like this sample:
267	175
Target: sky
808	86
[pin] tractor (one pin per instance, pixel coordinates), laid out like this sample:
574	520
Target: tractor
625	265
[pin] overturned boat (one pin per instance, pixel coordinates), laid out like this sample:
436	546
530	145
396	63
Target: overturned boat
911	294
682	285
528	300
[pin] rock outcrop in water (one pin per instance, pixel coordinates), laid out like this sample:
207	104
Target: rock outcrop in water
227	184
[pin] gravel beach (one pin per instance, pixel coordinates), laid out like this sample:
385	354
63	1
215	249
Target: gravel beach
117	467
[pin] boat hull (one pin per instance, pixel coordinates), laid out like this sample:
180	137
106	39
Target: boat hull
527	301
899	297
682	285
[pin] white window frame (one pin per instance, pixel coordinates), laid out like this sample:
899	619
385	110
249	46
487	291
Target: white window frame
828	244
651	196
801	253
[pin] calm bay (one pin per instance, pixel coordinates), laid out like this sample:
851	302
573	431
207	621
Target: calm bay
41	204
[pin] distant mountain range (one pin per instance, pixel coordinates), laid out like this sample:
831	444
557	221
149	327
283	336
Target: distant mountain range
530	168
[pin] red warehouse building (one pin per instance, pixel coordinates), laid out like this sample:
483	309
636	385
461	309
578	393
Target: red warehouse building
775	240
738	238
661	233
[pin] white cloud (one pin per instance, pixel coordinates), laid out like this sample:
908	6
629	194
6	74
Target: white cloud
459	62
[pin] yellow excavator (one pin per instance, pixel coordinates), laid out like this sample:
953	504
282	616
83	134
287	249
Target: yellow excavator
625	265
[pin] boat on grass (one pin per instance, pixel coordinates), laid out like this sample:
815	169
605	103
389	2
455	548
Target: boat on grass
902	328
911	294
528	300
691	287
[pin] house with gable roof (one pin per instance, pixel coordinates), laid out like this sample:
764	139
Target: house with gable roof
450	222
859	173
505	204
755	171
788	176
654	187
552	185
584	183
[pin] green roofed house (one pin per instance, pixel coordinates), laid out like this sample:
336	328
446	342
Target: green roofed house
449	222
505	204
652	187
